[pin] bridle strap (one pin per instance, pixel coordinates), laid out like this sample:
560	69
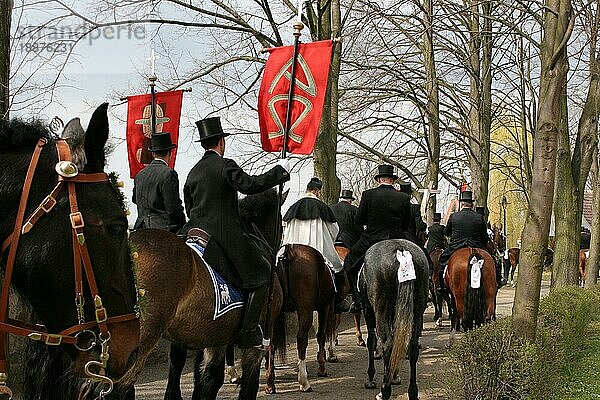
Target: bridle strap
14	244
81	260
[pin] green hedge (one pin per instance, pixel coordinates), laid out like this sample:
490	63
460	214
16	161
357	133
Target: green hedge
492	363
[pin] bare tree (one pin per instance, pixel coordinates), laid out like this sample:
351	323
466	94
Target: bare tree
558	25
593	262
5	24
573	167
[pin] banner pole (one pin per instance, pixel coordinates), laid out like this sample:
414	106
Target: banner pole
152	80
298	26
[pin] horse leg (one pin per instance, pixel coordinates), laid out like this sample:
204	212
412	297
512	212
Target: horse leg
234	377
270	371
251	360
386	387
324	315
333	342
453	318
304	324
413	355
371	343
209	373
359	337
437	315
177	356
513	267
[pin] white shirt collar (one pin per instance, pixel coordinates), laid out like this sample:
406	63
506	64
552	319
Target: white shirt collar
162	161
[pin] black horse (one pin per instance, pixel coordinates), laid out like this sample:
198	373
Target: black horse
394	311
44	262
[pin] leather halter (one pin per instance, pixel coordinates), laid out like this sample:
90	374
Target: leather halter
66	177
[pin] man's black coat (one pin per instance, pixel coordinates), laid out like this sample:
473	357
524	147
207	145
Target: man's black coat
386	213
211	203
436	237
465	228
350	230
156	194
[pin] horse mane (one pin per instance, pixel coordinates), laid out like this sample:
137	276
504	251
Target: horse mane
255	206
21	133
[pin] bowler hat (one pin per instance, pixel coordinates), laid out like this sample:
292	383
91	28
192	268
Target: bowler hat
386	170
314	183
210	128
467	196
347	194
405	187
161	142
437	217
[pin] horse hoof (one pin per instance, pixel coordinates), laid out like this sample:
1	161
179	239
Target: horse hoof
396	381
370	385
321	374
377	356
234	381
332	359
439	323
307	390
360	343
270	390
379	396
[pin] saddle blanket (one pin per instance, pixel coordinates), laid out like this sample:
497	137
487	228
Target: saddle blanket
227	297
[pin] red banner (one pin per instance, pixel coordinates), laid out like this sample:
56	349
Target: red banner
312	72
139	126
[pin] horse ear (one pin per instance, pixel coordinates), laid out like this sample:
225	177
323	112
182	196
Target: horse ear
95	139
284	196
75	136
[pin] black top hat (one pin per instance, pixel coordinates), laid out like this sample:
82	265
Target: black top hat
405	187
467	196
314	183
437	217
386	170
210	128
161	142
347	194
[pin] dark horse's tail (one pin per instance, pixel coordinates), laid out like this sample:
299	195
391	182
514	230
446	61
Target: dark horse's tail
403	325
474	298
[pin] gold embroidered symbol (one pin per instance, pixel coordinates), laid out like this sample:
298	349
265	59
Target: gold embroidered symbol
309	87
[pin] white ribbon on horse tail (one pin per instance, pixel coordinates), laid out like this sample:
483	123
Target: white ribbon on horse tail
476	267
406	269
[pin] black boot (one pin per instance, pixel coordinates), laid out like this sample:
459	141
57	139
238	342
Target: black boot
341	305
251	334
356	306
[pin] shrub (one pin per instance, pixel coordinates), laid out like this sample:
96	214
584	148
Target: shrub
492	363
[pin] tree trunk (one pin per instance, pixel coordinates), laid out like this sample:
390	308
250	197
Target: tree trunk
591	268
568	206
326	146
480	47
572	177
433	107
557	29
5	22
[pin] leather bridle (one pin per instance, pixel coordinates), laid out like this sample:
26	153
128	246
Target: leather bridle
79	335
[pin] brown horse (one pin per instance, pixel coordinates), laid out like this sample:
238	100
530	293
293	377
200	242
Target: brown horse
180	309
332	357
513	259
471	306
307	286
438	293
583	256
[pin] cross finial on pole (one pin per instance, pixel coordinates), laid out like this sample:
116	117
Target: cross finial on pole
153	57
427	193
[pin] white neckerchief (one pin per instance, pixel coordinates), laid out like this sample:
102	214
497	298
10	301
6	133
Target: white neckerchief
311	195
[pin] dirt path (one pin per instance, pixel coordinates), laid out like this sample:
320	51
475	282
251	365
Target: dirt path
346	378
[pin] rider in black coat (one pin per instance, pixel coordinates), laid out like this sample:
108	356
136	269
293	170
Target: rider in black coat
211	202
436	239
465	228
156	190
345	213
386	213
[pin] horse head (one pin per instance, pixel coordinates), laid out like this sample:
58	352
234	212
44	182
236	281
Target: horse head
44	265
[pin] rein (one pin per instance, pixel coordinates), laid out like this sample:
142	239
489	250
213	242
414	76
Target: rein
79	335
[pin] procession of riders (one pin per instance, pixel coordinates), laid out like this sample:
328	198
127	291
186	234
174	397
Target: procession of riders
210	201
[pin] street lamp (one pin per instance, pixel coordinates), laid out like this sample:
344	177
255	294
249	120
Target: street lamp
504	203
